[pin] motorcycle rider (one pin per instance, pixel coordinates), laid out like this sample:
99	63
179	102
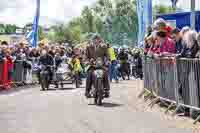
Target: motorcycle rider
138	65
76	68
96	49
125	68
46	60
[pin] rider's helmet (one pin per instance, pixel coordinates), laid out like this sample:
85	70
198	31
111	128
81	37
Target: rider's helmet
96	38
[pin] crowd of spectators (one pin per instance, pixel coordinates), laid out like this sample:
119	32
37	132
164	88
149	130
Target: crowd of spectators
30	59
24	51
163	40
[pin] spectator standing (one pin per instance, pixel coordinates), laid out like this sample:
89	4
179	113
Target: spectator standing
192	48
198	41
113	65
166	45
176	36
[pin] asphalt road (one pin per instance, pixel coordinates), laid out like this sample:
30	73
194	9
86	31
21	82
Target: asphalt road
67	111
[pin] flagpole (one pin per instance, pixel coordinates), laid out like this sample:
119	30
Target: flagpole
192	17
37	23
32	36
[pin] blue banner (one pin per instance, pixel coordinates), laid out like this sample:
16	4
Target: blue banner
32	36
144	12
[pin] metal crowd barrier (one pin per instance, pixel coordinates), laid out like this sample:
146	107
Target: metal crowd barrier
174	80
4	83
159	77
17	73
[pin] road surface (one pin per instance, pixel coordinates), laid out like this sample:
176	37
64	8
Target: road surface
29	110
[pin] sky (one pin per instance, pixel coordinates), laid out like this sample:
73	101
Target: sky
21	12
184	4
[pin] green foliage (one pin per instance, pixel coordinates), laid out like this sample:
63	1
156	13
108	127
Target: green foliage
41	34
115	21
8	28
162	9
117	18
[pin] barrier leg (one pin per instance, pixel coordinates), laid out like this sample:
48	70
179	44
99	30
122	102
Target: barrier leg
142	93
169	107
176	110
147	97
163	102
196	120
14	85
154	102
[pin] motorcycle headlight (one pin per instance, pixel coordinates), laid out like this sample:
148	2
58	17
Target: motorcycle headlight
99	73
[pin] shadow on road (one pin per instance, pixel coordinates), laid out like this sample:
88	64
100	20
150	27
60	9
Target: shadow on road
17	89
109	105
28	87
61	89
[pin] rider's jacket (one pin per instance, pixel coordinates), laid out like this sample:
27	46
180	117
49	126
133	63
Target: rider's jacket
94	52
76	65
46	60
111	54
90	52
101	52
123	57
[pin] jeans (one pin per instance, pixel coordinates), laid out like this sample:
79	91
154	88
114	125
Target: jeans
113	71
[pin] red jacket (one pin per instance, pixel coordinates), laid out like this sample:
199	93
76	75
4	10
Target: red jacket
167	46
155	50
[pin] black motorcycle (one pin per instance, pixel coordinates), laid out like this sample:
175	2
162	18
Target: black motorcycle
46	75
99	87
98	93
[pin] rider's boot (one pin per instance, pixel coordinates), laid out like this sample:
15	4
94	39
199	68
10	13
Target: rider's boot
107	94
87	94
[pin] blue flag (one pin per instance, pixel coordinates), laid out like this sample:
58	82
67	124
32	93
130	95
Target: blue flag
32	36
144	13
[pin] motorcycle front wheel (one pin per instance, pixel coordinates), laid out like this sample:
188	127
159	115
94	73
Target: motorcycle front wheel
99	92
77	81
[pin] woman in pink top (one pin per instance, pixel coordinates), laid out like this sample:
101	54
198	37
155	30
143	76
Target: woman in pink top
166	45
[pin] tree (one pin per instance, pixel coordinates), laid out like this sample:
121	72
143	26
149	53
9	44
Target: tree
162	9
41	34
10	28
111	19
59	33
88	20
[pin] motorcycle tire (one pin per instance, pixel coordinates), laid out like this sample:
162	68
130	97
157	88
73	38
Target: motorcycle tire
61	85
95	100
77	82
99	92
47	84
44	84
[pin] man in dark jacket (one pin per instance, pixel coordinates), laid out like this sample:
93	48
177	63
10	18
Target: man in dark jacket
125	66
46	60
90	51
176	36
94	51
138	65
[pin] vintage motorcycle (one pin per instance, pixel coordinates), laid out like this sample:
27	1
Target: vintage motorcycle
46	76
98	90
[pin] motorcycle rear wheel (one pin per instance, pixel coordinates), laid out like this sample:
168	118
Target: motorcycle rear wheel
99	90
77	82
